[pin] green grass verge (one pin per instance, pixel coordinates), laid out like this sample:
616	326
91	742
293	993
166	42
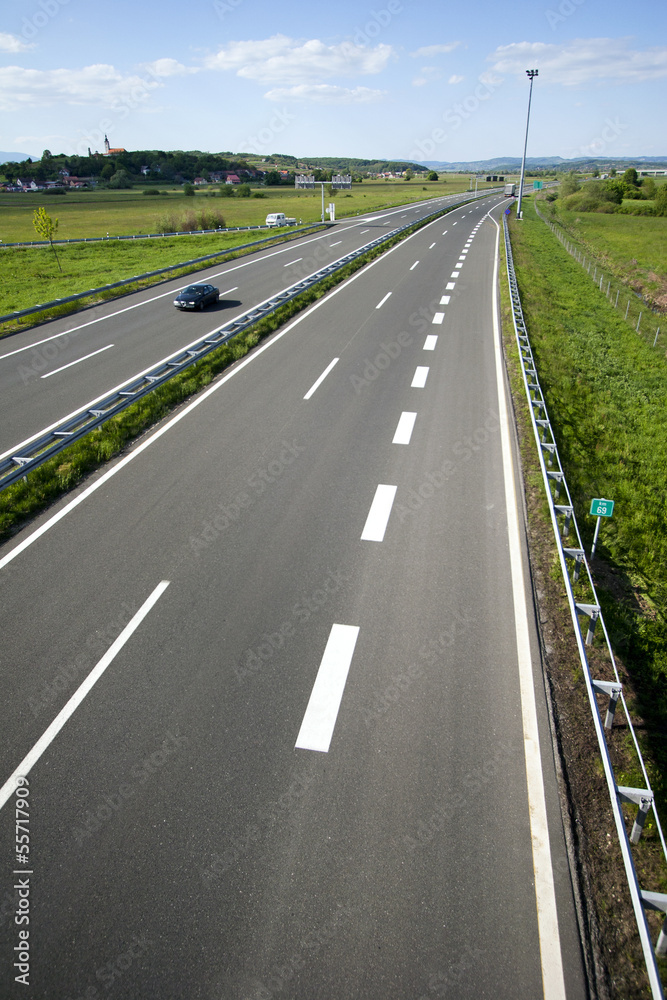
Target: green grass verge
58	475
605	391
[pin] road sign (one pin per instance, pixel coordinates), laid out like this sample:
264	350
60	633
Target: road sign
601	507
507	211
537	185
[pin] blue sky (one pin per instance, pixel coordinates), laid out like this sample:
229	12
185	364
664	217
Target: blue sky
397	78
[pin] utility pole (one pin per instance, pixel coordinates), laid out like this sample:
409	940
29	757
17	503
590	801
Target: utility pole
530	74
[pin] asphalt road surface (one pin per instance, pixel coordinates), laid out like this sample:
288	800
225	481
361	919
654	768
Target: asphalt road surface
273	686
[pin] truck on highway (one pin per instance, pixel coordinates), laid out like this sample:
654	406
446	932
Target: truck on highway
510	190
279	219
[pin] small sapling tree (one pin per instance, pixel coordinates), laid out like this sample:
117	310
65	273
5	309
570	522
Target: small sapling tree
46	227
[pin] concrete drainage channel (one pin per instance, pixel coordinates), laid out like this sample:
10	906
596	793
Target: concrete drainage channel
572	561
43	446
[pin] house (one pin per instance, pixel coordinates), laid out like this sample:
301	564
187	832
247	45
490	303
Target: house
232	179
200	181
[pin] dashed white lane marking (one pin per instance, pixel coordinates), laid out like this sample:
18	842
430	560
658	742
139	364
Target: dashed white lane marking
85	358
321	379
325	698
444	301
438	317
405	427
551	956
431	246
445	232
336	243
454	223
450	285
414	265
419	377
382	301
378	515
290	262
64	714
430	342
454	274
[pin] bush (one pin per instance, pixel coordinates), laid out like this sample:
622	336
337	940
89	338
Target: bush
151	191
190	222
188	190
55	191
243	191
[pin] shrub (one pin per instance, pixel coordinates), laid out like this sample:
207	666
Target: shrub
151	191
188	190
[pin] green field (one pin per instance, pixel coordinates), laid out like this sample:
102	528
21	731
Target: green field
632	247
121	213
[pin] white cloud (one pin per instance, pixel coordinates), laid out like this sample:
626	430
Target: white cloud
100	85
454	79
583	60
280	59
434	50
428	73
168	67
324	93
11	43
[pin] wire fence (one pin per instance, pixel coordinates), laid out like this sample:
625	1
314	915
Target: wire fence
603	681
639	314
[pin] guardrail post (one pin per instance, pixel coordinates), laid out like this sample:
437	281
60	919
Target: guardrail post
613	689
640	797
578	556
568	511
657	901
593	612
559	477
618	291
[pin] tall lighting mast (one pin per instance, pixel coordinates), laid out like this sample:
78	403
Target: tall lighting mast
530	73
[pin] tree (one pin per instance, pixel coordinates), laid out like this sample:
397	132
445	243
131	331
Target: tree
408	175
188	190
630	177
46	227
432	176
46	155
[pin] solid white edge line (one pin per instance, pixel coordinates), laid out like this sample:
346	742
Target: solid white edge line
382	301
217	384
404	428
68	710
547	915
78	360
321	379
321	713
378	515
419	377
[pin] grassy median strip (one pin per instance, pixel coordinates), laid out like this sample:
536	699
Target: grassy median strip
64	471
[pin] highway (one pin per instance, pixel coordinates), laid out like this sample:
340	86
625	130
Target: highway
64	365
274	683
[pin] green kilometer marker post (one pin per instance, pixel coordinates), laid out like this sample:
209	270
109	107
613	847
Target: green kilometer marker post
600	508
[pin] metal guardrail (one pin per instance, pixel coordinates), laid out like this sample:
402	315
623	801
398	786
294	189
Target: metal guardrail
43	446
573	560
149	274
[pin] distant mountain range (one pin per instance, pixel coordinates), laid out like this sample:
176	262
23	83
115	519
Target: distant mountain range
512	164
16	157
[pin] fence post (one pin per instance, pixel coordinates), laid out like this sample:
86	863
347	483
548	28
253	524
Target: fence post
627	309
638	322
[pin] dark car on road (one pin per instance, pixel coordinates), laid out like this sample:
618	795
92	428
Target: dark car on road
197	296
